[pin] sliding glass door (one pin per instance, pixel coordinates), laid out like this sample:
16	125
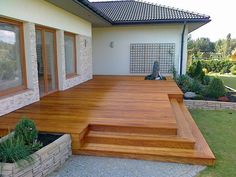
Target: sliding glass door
46	59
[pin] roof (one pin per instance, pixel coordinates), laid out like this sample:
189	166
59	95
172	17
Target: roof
136	12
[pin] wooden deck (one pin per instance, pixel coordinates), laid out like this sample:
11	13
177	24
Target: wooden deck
122	117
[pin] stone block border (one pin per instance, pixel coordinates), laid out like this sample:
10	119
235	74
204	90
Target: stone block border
209	105
46	160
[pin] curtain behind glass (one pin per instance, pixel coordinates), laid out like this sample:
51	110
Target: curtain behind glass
69	54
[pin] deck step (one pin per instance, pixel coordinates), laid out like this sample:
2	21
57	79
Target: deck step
160	130
184	130
134	139
146	153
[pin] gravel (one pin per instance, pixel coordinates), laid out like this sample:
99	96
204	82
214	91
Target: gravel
91	166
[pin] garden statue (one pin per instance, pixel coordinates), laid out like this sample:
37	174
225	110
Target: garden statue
156	75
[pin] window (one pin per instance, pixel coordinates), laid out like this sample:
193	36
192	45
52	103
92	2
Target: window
12	62
70	54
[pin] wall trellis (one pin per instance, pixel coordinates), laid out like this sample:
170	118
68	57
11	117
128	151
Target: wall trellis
143	55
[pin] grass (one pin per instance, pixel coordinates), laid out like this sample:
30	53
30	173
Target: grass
218	127
229	80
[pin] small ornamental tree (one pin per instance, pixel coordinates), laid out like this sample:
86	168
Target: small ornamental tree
216	88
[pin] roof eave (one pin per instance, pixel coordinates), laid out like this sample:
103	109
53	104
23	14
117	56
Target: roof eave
88	5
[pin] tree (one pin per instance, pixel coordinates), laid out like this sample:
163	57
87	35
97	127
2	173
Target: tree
228	45
201	47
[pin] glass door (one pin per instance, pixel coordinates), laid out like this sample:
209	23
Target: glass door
46	59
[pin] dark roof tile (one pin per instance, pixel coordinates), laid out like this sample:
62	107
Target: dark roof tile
132	11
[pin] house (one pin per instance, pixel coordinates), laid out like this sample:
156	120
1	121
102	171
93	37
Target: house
49	46
54	45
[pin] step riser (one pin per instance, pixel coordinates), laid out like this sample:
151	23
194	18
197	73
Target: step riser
179	159
140	142
138	130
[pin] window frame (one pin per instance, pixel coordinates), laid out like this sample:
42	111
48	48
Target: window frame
23	86
70	75
43	30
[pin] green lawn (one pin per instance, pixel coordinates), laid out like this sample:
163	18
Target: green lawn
229	80
219	129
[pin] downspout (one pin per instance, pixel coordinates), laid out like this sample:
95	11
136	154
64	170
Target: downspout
182	49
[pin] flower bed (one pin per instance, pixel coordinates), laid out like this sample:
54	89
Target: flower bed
45	160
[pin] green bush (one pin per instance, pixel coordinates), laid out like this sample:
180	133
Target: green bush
187	84
196	71
14	149
233	70
206	80
26	130
184	82
18	147
216	88
199	97
23	143
224	70
215	65
196	86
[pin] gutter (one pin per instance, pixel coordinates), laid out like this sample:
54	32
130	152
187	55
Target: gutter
182	49
160	21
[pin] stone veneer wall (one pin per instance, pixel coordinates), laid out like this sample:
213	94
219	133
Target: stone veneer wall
46	160
31	95
84	61
209	105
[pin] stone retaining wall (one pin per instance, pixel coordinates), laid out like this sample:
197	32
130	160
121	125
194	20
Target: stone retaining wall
209	105
46	160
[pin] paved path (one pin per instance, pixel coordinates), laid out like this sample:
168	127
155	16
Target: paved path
90	166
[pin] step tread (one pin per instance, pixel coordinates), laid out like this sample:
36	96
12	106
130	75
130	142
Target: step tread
143	150
132	124
134	128
136	136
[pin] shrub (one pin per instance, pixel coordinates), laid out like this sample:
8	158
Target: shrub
224	70
26	130
233	70
216	88
199	97
187	84
23	143
216	65
14	149
196	86
206	80
184	82
174	72
195	71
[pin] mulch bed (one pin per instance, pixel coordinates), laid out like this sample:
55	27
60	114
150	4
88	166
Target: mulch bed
230	96
47	138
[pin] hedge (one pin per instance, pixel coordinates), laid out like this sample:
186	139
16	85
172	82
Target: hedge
216	66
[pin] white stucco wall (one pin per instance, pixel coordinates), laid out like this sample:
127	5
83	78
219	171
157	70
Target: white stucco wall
44	13
116	60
